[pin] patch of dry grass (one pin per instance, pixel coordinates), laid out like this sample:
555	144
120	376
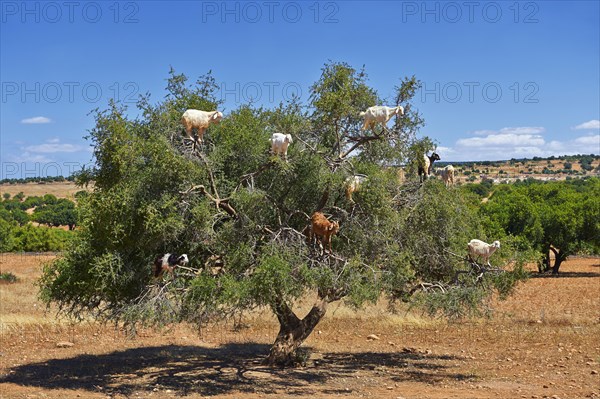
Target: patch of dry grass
19	305
59	189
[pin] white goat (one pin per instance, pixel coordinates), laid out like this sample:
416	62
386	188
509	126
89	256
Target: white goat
353	184
379	114
478	248
447	175
280	143
199	120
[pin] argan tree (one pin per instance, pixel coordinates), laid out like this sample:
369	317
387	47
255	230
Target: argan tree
241	215
58	213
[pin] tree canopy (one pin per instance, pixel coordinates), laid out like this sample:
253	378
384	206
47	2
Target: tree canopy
560	217
231	204
57	212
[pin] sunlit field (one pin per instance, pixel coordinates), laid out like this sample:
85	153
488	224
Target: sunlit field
544	341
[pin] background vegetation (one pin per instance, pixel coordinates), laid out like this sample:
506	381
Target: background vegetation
17	234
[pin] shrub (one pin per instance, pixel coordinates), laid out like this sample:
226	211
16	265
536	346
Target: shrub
8	277
40	239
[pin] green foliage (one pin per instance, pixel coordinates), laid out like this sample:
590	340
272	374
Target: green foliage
16	234
7	235
13	211
29	238
56	212
8	277
482	189
564	215
232	203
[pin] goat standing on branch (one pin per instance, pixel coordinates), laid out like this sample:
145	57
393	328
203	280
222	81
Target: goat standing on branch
280	143
166	263
323	228
353	184
478	248
379	114
199	120
447	175
426	166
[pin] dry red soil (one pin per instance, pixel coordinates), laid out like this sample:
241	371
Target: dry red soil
543	342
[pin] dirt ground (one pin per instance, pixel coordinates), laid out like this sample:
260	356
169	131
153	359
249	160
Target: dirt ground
543	342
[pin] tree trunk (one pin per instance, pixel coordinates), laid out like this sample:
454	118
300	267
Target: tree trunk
293	332
559	257
545	265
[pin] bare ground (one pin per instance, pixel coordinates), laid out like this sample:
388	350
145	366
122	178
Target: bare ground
542	342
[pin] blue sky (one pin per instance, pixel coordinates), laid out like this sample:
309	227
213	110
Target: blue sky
500	79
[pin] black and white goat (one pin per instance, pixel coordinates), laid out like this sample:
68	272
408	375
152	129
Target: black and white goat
166	263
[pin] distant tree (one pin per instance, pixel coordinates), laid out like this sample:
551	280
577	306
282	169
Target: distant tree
586	163
482	189
50	199
59	212
557	218
6	196
19	216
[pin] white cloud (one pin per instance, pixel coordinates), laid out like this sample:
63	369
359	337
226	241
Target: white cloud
36	120
444	152
512	130
507	140
484	132
519	142
589	125
522	130
28	157
53	147
591	142
53	140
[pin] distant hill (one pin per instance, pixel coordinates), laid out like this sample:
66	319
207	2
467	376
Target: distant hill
64	189
551	168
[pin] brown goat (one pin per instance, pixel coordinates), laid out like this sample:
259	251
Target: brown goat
323	228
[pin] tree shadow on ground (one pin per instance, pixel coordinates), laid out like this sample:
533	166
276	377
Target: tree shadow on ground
228	369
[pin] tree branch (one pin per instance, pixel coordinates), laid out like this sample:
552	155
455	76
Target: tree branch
219	203
358	142
210	173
